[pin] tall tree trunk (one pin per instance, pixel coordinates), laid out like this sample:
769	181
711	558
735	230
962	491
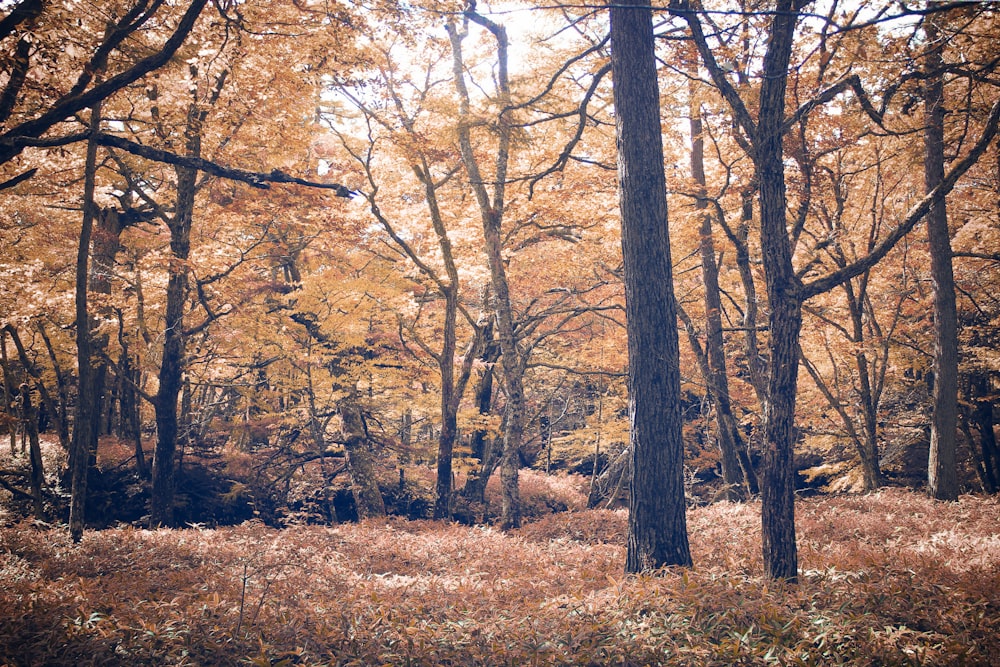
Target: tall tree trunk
785	300
172	358
86	424
869	401
449	407
657	534
757	365
483	445
492	212
736	467
942	473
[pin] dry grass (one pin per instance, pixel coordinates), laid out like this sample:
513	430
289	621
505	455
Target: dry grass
888	579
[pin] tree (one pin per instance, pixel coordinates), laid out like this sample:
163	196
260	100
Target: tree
491	210
438	264
763	135
27	121
737	470
657	533
942	474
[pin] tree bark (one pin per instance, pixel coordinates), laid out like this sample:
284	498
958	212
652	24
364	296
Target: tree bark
61	410
483	445
360	461
657	534
30	416
942	474
785	300
736	467
172	358
86	424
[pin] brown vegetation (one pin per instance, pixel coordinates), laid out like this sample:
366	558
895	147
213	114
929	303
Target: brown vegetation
890	578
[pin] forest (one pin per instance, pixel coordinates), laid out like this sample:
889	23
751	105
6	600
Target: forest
350	332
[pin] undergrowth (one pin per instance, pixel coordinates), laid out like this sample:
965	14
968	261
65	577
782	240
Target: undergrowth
886	579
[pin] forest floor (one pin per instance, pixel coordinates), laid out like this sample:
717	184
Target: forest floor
891	578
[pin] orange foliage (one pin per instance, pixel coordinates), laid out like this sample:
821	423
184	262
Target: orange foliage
889	578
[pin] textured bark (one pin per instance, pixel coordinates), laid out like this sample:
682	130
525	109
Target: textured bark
85	426
360	461
942	474
784	297
484	447
172	358
657	534
449	407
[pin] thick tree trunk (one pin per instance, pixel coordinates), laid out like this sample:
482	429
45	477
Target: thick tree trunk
483	445
657	534
172	358
785	300
513	371
942	474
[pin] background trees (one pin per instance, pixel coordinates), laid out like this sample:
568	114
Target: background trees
461	303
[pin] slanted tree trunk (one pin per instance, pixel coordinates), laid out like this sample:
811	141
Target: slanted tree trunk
657	533
942	473
32	369
736	467
59	410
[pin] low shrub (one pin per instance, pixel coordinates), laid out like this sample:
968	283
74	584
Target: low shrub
887	579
